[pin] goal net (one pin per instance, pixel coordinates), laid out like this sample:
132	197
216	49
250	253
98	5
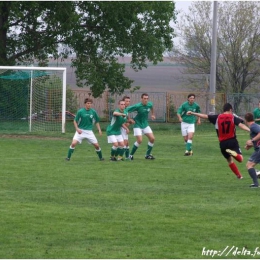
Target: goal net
32	99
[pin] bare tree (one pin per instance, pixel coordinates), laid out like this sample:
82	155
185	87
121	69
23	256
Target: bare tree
238	45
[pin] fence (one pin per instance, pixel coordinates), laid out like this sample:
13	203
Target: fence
243	103
165	103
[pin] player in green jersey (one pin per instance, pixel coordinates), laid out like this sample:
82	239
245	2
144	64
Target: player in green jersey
188	122
83	123
114	132
123	130
256	114
141	126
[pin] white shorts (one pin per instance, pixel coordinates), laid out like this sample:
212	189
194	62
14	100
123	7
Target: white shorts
187	128
86	134
140	131
115	139
124	134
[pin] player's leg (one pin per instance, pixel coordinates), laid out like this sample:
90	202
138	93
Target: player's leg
98	151
234	150
93	140
231	164
250	165
191	131
71	149
184	133
126	148
120	149
77	138
139	138
126	143
112	140
149	133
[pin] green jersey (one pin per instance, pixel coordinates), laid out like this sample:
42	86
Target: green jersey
184	108
114	128
141	119
86	118
256	114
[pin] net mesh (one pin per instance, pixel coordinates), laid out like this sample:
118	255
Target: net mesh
30	100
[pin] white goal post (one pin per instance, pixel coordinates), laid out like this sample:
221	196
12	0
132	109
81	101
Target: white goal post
51	84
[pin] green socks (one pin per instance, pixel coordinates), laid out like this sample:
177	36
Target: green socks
70	152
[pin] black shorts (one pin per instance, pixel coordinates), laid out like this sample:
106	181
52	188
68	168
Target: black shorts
231	144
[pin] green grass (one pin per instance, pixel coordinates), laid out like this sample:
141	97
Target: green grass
171	207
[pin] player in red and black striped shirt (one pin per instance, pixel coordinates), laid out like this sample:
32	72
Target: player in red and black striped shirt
225	125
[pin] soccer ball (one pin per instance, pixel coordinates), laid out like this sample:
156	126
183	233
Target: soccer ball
257	173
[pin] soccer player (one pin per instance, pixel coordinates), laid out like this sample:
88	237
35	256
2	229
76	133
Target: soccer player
141	126
256	114
253	142
123	130
83	123
188	122
225	125
114	132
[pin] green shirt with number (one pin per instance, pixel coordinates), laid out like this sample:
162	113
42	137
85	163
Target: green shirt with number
184	108
86	118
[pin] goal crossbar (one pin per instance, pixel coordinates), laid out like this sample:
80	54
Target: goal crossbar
63	69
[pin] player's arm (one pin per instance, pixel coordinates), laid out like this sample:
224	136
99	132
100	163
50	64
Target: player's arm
130	121
243	127
125	127
76	126
152	116
198	121
205	116
179	111
98	128
250	143
116	113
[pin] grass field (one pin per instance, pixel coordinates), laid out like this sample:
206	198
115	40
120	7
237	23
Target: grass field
172	207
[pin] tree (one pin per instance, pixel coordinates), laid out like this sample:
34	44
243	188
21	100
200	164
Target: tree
238	44
96	32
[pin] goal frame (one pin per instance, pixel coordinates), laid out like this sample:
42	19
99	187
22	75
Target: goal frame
64	71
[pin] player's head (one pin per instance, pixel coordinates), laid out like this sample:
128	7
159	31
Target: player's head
127	100
88	100
121	104
249	117
259	104
144	98
227	107
191	98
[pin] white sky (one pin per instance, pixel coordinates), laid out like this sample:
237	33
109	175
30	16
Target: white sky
182	5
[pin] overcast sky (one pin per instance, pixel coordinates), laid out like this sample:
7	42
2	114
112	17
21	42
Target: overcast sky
182	5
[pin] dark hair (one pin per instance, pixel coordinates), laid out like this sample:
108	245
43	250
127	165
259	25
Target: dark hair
121	100
227	107
88	100
191	94
125	97
144	94
249	117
